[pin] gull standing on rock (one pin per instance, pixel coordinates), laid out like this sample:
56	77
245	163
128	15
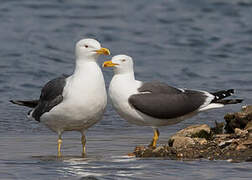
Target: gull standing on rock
76	102
157	104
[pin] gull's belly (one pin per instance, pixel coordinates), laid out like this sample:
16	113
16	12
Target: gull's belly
127	112
76	113
130	114
120	102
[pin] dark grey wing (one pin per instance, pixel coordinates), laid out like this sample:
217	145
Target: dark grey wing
158	87
166	102
51	95
29	103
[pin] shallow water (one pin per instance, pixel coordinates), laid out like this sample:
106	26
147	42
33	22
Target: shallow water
198	44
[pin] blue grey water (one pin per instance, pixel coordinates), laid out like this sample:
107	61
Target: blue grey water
199	44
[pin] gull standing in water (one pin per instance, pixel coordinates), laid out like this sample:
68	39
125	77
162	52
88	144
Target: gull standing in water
76	102
157	104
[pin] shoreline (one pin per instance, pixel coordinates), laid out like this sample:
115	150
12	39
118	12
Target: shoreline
230	141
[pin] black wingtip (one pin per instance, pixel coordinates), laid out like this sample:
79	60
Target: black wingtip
239	100
31	104
17	102
229	101
222	94
13	102
231	91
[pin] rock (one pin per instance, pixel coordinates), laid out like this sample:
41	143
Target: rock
249	159
191	130
250	135
203	134
241	147
182	142
200	141
223	144
218	129
248	142
131	154
249	126
238	119
180	155
139	148
247	109
189	136
241	133
229	116
222	136
158	149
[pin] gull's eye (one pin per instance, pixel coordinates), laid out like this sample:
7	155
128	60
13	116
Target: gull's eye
86	46
123	60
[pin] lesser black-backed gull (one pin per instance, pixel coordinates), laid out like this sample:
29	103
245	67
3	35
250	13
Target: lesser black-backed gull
157	104
76	102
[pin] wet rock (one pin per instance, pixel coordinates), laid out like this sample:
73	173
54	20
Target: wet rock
190	136
247	109
161	151
158	149
241	147
192	130
248	142
240	133
203	134
224	144
222	136
238	119
218	129
249	126
182	142
201	141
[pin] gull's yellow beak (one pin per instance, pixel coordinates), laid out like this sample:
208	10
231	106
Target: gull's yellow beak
103	51
108	64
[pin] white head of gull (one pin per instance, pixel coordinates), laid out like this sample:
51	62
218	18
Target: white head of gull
157	104
75	102
89	50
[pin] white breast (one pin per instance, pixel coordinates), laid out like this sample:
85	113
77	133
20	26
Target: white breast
121	88
83	104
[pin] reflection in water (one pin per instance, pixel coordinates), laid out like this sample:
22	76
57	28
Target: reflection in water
115	166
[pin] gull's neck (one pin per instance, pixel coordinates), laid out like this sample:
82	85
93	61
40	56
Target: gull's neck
84	66
126	76
123	84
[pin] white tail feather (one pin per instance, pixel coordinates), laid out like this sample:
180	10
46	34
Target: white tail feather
211	106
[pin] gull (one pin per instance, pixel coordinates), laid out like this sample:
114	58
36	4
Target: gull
155	103
76	102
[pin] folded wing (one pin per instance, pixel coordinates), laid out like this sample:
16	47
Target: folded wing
165	102
51	95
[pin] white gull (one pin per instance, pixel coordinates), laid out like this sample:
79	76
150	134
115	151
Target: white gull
76	102
157	104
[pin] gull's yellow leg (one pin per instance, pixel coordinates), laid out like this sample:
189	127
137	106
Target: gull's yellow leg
83	141
154	139
59	145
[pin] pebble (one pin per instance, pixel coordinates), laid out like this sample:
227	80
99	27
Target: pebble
241	147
